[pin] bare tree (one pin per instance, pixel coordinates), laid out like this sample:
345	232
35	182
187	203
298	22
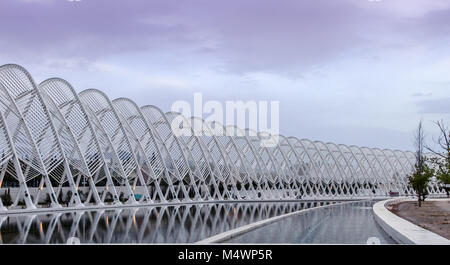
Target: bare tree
419	144
443	141
442	156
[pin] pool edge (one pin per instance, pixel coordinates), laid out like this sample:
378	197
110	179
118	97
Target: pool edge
219	238
401	230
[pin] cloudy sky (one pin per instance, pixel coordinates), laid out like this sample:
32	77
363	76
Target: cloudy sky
347	71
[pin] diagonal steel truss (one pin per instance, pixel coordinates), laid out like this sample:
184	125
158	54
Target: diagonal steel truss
59	148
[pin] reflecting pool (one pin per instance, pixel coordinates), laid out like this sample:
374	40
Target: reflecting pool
347	223
158	224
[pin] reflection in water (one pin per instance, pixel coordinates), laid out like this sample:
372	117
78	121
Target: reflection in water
162	224
350	223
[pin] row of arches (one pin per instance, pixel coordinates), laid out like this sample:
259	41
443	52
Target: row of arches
59	148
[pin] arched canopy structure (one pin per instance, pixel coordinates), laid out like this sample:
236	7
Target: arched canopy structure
63	148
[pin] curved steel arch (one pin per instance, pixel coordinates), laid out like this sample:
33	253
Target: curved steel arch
28	102
198	152
257	170
76	157
240	163
106	117
92	142
342	166
180	162
318	186
269	178
277	173
357	176
295	171
147	140
227	169
196	161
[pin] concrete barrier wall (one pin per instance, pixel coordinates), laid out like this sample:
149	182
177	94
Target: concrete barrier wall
402	230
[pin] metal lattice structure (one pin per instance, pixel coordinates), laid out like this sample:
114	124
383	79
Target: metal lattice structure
63	148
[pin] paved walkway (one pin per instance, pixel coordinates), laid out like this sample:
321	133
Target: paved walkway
433	215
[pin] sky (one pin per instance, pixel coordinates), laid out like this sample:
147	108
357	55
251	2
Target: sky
356	72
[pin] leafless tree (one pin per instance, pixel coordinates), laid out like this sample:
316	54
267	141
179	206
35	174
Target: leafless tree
443	141
442	156
419	144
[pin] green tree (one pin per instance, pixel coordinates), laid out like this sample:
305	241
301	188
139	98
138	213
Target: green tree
419	180
443	174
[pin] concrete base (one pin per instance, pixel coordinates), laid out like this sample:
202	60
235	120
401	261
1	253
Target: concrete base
119	206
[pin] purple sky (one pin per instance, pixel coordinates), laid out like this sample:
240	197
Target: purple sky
346	71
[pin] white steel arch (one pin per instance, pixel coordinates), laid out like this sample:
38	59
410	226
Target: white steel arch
147	140
89	136
107	118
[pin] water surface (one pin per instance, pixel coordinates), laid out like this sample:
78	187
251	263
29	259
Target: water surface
348	223
158	224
